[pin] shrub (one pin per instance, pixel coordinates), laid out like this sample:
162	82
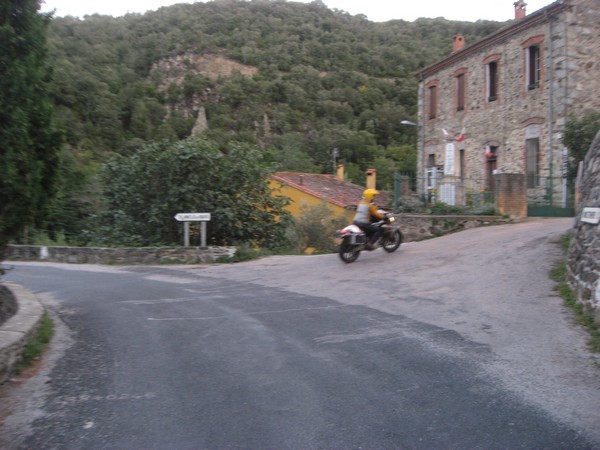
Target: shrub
315	228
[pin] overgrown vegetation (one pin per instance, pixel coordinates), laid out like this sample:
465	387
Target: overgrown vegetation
29	142
37	343
559	275
144	191
312	233
578	137
315	229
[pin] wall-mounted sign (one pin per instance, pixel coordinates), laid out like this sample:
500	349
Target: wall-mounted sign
590	215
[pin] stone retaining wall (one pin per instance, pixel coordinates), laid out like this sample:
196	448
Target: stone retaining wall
583	263
16	331
418	227
126	255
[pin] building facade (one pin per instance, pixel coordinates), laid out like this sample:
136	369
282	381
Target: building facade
500	105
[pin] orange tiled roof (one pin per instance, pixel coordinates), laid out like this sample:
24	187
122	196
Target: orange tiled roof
327	187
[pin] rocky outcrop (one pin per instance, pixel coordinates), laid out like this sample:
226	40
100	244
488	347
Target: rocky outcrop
174	69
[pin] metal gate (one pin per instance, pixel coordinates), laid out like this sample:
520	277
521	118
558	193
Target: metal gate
550	197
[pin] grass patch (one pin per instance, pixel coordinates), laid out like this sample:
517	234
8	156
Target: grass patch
37	343
559	274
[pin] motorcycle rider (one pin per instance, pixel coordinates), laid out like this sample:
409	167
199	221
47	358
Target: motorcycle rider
367	212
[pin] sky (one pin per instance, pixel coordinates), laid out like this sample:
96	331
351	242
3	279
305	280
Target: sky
375	10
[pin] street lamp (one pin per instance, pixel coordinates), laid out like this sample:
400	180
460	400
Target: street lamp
408	122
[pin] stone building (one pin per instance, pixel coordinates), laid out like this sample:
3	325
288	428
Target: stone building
499	105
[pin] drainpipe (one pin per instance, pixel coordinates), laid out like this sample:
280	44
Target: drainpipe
551	109
422	124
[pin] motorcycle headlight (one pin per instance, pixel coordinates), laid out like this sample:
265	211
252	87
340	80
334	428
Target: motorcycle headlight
392	219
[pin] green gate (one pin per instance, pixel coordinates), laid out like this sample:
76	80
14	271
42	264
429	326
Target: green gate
550	197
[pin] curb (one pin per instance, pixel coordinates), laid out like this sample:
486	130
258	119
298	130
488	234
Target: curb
16	330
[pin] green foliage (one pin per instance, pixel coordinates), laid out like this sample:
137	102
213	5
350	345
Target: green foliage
404	157
36	345
144	191
440	208
578	137
315	228
317	68
29	143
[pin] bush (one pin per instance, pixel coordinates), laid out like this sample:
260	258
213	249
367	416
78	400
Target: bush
144	191
315	228
445	209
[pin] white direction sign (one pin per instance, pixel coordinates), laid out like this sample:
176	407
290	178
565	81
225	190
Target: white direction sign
193	217
590	215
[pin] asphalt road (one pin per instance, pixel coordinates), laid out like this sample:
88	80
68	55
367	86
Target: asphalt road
457	342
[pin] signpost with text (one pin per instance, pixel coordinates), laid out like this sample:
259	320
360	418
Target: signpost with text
591	215
186	218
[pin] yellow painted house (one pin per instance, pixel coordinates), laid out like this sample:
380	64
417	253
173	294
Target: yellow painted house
307	190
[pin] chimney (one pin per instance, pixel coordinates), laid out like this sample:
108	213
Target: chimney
520	10
301	180
459	43
371	178
340	172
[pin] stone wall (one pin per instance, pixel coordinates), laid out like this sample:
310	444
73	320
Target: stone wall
583	266
510	191
417	227
18	329
96	255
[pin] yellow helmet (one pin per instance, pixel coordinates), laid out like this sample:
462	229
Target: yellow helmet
370	193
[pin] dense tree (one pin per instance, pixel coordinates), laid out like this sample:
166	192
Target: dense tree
28	142
144	191
578	137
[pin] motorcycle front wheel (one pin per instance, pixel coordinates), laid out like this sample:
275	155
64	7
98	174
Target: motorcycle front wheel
392	241
348	252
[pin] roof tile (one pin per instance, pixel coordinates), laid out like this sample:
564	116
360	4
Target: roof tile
327	187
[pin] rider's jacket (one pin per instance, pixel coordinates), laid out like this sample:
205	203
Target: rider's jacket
365	211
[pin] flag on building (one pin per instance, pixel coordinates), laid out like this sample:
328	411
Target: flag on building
462	136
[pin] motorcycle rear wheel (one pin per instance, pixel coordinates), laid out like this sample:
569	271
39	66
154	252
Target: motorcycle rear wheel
348	252
391	242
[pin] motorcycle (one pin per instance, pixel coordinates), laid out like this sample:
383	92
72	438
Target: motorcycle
354	239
